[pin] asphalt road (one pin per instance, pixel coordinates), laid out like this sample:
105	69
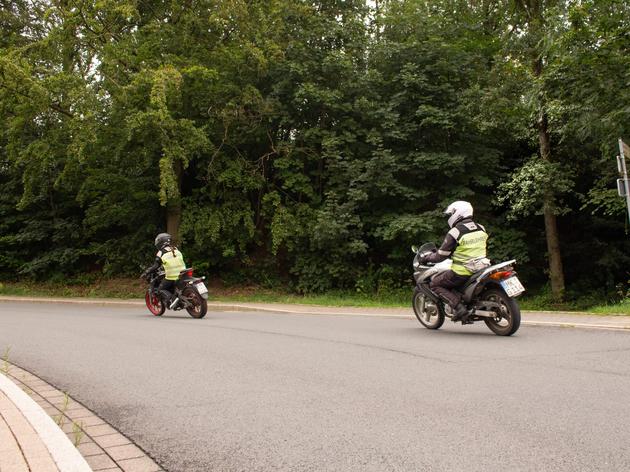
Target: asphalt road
258	392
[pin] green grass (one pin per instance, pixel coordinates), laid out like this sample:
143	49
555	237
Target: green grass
134	289
589	304
395	299
130	288
622	308
120	288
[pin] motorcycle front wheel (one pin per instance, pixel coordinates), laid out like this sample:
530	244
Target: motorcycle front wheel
154	303
198	305
508	318
429	314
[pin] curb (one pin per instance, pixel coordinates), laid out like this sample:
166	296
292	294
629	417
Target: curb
97	444
298	311
65	455
569	324
78	301
239	307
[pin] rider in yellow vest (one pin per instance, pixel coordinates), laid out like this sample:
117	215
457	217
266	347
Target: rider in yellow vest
172	260
465	243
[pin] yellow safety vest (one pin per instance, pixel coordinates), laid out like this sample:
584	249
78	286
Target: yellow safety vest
470	245
173	262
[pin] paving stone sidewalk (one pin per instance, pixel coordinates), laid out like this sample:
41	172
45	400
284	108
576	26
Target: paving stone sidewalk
21	448
24	449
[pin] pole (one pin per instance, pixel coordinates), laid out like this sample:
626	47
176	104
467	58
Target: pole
623	150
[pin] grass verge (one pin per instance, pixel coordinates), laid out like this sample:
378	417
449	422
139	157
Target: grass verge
131	288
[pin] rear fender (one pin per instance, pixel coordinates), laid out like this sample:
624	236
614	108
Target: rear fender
192	284
482	281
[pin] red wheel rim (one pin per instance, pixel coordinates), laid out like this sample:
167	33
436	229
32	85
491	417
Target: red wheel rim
154	304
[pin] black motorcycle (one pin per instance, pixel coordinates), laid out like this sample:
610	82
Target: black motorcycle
191	293
489	295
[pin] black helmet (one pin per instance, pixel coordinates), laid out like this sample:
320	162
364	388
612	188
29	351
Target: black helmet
162	240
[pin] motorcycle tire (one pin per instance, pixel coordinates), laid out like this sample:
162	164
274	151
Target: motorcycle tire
154	303
435	318
199	306
508	322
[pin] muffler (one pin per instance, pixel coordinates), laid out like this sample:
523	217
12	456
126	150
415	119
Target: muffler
484	313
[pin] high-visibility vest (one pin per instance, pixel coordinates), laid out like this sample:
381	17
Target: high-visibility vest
173	262
471	244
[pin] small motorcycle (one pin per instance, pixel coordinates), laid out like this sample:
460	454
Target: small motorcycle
191	293
489	294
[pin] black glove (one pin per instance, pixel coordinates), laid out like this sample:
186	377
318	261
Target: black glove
424	257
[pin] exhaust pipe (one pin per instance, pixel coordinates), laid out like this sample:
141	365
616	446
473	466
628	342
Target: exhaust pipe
174	304
484	313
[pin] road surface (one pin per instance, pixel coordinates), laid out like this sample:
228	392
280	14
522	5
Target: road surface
260	391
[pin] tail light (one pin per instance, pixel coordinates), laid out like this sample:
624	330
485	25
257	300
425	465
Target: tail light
189	273
504	274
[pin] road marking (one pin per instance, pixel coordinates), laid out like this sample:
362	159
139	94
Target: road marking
65	455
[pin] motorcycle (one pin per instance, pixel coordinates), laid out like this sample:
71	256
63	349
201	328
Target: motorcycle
489	294
191	293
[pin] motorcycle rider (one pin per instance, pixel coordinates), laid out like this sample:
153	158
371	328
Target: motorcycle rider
465	243
173	261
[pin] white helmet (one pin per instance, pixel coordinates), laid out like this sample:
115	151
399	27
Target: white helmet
457	211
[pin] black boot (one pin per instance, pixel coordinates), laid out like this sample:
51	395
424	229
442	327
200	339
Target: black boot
459	312
166	296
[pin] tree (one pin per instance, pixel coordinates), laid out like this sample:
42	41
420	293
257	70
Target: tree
566	46
311	142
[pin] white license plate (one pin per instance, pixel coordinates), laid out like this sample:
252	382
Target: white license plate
201	288
512	286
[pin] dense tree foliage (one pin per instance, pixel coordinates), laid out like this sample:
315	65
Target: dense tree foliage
312	142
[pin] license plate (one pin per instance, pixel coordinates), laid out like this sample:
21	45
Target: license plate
512	286
201	288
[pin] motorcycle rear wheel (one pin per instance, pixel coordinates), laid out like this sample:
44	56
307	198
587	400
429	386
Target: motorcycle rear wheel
154	303
508	318
428	313
199	306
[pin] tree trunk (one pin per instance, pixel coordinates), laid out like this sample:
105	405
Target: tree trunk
533	11
174	207
556	273
173	219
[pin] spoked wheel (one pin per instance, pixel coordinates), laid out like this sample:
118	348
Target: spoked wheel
427	311
508	314
154	303
198	305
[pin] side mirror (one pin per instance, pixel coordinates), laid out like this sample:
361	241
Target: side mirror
414	249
